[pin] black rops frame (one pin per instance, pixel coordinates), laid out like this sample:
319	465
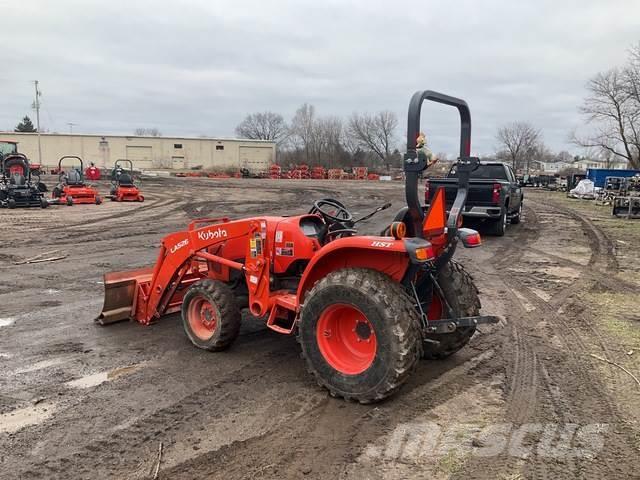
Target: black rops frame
414	164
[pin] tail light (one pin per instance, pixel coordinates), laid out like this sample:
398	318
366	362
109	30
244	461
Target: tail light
470	238
426	191
495	195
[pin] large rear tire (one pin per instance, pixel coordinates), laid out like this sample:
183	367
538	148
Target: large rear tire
210	316
462	295
360	334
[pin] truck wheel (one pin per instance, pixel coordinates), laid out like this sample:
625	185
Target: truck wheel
499	226
44	203
517	216
462	295
360	334
210	316
11	203
69	201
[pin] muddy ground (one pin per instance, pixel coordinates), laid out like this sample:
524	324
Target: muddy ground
524	400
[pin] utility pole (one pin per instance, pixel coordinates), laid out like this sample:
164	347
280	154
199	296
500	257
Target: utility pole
71	124
37	107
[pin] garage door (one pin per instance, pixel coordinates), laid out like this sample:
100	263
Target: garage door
177	163
256	159
140	156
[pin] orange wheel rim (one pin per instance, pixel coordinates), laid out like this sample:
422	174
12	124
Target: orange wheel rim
203	317
346	339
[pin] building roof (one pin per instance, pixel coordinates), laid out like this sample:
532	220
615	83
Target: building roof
146	137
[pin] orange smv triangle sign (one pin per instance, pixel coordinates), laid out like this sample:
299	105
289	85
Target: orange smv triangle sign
435	220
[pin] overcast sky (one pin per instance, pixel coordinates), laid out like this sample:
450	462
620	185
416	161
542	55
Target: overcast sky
197	67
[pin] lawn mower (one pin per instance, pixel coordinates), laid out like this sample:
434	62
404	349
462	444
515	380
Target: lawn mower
18	184
123	188
365	309
71	188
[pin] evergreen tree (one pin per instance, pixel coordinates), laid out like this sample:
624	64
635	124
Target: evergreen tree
26	125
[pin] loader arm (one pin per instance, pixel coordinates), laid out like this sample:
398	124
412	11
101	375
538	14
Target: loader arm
147	294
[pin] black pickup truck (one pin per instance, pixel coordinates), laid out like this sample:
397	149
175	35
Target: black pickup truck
495	197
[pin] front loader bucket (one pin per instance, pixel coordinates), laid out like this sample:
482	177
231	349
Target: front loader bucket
120	290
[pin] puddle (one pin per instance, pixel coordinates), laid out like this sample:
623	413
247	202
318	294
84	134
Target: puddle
11	422
96	379
5	322
51	291
5	355
44	364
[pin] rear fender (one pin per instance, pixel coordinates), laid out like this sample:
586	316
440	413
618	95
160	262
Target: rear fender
383	254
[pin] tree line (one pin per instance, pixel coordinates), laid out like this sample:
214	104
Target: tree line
363	139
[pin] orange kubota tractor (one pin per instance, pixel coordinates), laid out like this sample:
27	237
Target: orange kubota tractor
365	308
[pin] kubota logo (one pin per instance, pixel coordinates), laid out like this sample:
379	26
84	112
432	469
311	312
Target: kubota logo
211	234
179	245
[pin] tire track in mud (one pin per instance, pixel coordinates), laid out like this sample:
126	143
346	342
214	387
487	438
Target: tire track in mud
565	371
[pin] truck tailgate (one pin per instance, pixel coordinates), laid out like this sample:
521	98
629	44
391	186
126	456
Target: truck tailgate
480	191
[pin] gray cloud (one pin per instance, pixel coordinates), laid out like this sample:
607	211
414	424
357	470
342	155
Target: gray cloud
197	67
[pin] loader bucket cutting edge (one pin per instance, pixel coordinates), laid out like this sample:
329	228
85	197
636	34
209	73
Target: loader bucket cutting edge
120	289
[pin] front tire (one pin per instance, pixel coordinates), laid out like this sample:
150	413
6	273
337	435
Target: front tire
360	334
462	296
210	316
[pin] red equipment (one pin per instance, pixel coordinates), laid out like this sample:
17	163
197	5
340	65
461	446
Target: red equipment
123	187
318	173
275	171
365	308
71	188
92	173
360	173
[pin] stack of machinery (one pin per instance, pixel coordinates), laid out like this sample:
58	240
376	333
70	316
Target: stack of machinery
627	202
318	173
360	173
275	171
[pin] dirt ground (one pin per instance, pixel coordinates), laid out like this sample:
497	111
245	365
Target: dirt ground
82	401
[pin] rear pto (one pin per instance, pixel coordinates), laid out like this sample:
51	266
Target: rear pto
365	308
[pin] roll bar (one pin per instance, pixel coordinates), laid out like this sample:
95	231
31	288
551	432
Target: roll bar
124	160
415	164
70	156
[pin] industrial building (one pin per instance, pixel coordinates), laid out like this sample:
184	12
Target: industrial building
149	153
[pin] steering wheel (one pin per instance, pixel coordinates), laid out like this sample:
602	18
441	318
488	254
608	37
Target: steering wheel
339	212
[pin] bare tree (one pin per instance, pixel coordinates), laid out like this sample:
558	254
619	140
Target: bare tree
302	129
263	126
519	140
147	132
374	132
612	108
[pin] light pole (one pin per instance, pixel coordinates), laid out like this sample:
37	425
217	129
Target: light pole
37	107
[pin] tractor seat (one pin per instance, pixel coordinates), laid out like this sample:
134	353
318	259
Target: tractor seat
125	180
18	179
74	178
